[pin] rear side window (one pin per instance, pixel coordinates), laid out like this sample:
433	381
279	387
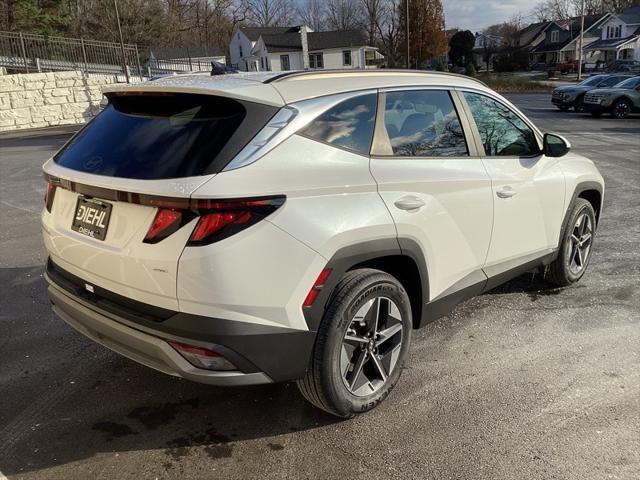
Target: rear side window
423	123
348	125
164	136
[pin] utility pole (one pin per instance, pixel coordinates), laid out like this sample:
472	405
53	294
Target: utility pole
580	42
406	19
124	57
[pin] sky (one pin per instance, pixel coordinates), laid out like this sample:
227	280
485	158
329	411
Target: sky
475	15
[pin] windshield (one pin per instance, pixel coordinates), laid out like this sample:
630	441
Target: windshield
629	83
592	80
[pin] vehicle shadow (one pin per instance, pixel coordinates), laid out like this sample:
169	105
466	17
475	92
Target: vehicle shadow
66	398
85	400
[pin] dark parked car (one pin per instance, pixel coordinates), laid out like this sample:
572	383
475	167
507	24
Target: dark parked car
620	101
623	66
569	96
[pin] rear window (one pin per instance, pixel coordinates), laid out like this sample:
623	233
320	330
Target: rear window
164	136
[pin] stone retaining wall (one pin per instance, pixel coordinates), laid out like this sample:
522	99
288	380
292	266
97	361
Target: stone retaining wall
35	100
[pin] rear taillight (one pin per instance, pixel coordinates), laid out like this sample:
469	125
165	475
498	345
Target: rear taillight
219	219
203	357
164	224
48	196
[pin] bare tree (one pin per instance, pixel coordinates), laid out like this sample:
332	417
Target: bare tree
269	13
374	10
344	14
313	14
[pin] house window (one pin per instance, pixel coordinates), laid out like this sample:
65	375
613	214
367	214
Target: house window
316	60
284	62
618	32
261	63
555	36
240	48
346	57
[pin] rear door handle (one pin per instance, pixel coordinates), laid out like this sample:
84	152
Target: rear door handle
409	203
506	192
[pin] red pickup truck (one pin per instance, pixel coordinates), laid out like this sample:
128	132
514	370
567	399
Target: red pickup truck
568	67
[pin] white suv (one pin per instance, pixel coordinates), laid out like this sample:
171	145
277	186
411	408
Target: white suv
273	227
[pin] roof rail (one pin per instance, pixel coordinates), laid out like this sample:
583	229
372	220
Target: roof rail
304	73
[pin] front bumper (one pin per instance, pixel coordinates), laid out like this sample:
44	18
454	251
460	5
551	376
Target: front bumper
263	354
562	102
596	108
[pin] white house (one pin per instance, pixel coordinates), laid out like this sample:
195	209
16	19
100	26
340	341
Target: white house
298	48
620	36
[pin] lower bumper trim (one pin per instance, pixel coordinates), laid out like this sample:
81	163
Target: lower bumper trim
154	352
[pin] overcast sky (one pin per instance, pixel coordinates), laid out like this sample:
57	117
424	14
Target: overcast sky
478	14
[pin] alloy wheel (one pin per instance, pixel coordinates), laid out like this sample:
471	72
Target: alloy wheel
371	346
580	244
621	110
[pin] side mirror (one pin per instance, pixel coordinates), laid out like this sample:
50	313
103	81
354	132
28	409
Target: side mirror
555	145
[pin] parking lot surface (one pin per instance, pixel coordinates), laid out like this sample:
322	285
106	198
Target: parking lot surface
525	382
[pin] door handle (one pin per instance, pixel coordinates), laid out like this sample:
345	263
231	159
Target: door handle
409	203
506	192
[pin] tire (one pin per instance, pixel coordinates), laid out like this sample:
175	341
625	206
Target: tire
563	108
621	109
576	246
344	376
579	105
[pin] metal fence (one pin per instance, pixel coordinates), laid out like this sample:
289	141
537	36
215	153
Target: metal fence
28	53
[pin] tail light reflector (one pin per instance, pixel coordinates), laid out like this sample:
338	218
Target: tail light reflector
317	286
203	357
48	196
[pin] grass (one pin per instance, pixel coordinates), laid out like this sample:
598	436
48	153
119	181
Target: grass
513	84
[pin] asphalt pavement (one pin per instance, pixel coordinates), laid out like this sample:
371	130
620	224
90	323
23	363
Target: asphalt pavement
525	382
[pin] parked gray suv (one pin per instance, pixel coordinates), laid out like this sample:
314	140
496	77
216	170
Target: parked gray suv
572	96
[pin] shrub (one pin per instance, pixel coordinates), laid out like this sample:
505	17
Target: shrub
471	70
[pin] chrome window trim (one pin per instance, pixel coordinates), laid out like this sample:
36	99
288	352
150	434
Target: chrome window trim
300	115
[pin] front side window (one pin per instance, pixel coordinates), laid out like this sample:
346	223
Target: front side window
348	124
423	123
284	62
346	57
502	132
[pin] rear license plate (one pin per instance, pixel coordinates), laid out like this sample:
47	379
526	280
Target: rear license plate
91	218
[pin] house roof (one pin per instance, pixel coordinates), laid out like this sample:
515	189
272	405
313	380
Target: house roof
162	53
572	25
612	43
287	42
254	33
630	15
530	32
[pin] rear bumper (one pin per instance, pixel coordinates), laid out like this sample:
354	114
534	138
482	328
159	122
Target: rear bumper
262	353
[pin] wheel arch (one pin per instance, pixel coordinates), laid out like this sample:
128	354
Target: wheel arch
401	258
591	192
